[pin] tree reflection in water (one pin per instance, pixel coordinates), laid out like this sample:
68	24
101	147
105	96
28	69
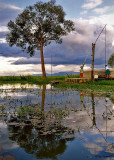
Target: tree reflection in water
48	146
43	97
44	137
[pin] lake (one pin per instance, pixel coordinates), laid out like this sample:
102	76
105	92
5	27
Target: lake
49	123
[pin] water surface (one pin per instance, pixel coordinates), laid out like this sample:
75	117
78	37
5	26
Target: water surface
44	122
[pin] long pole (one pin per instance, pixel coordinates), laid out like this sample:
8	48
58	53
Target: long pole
100	33
105	47
51	67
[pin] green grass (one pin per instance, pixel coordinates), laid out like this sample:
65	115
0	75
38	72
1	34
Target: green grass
23	79
32	79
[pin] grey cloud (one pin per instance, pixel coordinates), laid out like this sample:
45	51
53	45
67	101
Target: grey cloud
56	61
8	12
7	51
3	34
79	44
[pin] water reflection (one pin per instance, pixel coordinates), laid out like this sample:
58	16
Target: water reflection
92	116
93	109
94	148
6	156
42	147
50	123
43	97
81	97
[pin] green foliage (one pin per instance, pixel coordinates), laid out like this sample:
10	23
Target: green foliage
60	113
111	60
38	25
2	109
25	110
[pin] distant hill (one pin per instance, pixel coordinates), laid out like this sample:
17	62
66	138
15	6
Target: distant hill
59	74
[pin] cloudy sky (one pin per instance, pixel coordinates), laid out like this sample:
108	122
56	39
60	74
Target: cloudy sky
89	16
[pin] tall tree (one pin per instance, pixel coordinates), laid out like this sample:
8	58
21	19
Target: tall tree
37	26
111	60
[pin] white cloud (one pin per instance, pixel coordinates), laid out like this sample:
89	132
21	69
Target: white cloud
67	68
93	148
90	4
107	19
8	6
102	19
3	29
113	43
103	10
2	40
7	68
84	12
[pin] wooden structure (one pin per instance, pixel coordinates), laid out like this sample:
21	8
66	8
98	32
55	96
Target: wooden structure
77	80
99	72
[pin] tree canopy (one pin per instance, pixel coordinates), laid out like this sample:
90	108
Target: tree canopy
111	60
37	26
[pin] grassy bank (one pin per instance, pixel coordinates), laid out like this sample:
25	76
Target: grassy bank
96	86
99	86
32	79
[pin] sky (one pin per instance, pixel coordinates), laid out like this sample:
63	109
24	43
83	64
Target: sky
89	17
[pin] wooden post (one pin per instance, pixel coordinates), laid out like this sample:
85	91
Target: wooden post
92	67
93	109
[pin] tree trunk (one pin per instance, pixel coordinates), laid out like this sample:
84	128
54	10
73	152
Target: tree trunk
42	61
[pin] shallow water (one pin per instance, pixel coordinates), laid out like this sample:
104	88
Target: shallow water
43	122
